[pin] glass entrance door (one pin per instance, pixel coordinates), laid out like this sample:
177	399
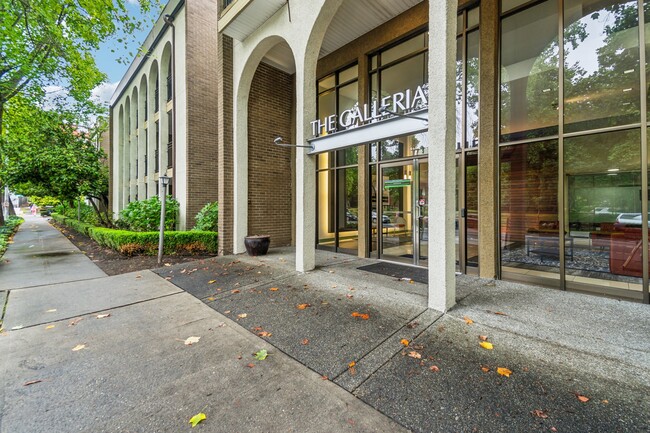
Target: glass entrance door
402	227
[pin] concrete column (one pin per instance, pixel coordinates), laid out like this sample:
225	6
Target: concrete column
305	169
442	120
488	204
240	170
364	182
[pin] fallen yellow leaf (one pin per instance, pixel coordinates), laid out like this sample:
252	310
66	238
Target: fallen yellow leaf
504	371
486	345
212	281
211	298
197	419
78	347
49	327
51	310
468	320
404	341
352	364
242	316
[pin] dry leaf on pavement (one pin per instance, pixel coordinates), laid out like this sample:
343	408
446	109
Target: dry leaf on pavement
305	341
485	369
75	321
242	316
303	306
539	413
361	315
32	382
468	320
404	341
504	371
52	310
434	368
264	334
273	289
582	398
482	337
212	281
78	347
191	340
103	316
414	354
486	345
49	327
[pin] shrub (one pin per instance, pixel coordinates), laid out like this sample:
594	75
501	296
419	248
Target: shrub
77	226
86	212
129	243
44	201
7	231
144	215
208	218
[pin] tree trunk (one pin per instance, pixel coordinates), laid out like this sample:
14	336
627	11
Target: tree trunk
2	108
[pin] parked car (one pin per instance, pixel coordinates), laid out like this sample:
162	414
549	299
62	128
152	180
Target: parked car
384	218
630	219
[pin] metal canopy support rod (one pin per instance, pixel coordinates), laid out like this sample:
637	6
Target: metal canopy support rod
279	141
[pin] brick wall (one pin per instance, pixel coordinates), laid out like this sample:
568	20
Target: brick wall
202	105
269	166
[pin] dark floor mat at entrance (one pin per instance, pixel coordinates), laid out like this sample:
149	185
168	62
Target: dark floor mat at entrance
398	271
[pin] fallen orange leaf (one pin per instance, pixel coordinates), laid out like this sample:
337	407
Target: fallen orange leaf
324	378
303	306
486	345
273	289
434	368
468	320
264	334
482	337
251	365
352	364
234	291
504	371
361	315
485	369
404	341
582	398
305	342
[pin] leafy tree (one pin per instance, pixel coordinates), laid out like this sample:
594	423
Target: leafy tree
46	42
47	154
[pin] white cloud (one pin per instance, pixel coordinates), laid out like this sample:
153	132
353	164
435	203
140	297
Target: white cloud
133	2
102	93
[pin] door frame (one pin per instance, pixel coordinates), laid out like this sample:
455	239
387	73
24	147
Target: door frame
415	187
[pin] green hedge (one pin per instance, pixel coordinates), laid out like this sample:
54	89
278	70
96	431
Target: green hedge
7	230
131	243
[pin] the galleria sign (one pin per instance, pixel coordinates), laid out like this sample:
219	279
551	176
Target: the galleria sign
400	102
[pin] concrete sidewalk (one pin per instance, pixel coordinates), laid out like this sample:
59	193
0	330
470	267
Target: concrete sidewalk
65	366
41	255
349	351
558	345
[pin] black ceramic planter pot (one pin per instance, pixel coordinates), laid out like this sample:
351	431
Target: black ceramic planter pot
257	245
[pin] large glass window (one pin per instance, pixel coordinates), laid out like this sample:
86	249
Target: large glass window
338	174
601	64
529	73
401	68
529	209
585	215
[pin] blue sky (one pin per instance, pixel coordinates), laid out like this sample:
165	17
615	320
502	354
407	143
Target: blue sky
107	60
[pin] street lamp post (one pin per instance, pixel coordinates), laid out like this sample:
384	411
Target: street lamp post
164	181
